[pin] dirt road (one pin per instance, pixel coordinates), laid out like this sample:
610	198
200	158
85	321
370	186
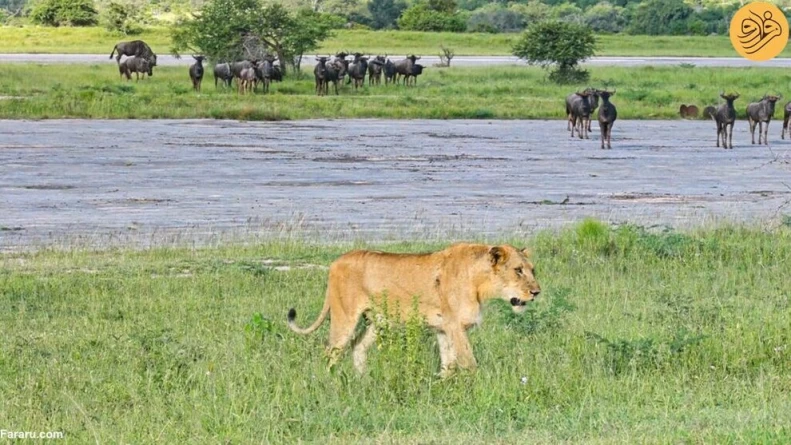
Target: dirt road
142	182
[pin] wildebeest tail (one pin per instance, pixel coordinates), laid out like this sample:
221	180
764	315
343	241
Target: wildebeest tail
113	51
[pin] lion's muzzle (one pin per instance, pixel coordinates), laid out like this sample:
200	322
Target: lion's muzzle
517	302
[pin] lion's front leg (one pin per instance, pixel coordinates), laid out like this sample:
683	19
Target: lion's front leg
447	355
461	347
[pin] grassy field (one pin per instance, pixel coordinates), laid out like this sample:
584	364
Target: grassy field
82	91
638	337
32	39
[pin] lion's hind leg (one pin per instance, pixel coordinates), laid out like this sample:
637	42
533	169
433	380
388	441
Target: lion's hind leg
361	345
447	355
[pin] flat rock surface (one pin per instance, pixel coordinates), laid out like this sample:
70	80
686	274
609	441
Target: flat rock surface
101	182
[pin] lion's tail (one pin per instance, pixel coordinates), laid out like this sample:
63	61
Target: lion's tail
292	315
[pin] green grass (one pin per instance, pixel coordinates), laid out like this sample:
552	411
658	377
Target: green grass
638	337
33	39
83	91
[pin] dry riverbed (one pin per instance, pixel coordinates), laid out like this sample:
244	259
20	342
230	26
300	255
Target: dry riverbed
66	182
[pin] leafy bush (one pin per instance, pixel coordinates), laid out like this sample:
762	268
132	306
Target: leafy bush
604	17
421	18
559	44
658	17
64	13
532	12
567	12
495	18
123	18
385	13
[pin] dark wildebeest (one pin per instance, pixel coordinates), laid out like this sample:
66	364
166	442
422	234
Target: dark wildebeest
607	116
709	112
389	71
137	48
135	65
404	67
342	61
594	101
320	74
578	108
265	71
594	97
333	74
222	71
196	72
375	70
277	74
725	116
760	112
417	69
688	112
358	69
786	118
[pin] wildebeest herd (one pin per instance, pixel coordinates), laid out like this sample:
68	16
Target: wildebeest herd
582	104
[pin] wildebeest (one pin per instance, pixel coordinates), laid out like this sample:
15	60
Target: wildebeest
786	118
137	48
333	74
389	71
196	72
417	69
607	116
404	67
222	71
135	65
594	101
342	61
320	74
709	112
265	71
358	69
760	112
246	80
578	108
375	66
688	111
725	116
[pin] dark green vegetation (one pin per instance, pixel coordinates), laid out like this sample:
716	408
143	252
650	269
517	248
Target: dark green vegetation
638	337
559	45
515	92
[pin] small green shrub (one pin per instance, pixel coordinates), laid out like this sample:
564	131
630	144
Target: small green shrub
123	18
64	13
421	18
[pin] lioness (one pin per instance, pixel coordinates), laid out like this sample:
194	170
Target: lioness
449	286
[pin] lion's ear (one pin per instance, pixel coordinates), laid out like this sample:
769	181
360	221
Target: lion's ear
526	252
498	255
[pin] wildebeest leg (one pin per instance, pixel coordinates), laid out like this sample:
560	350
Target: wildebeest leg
609	135
585	127
603	133
719	134
785	125
766	132
580	130
752	129
573	123
730	135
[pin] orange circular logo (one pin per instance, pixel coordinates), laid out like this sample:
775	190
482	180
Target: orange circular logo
759	31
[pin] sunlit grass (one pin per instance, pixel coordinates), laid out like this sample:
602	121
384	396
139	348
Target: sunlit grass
638	337
503	92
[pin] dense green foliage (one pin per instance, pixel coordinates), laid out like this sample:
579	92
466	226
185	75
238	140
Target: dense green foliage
422	17
639	336
64	13
560	45
237	29
122	17
385	13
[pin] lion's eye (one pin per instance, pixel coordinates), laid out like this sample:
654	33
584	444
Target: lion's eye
519	271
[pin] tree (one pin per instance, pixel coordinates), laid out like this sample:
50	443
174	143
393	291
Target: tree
658	17
64	13
604	17
237	29
384	13
123	18
560	45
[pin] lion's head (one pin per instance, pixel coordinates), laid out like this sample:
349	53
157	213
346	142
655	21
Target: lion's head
513	276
